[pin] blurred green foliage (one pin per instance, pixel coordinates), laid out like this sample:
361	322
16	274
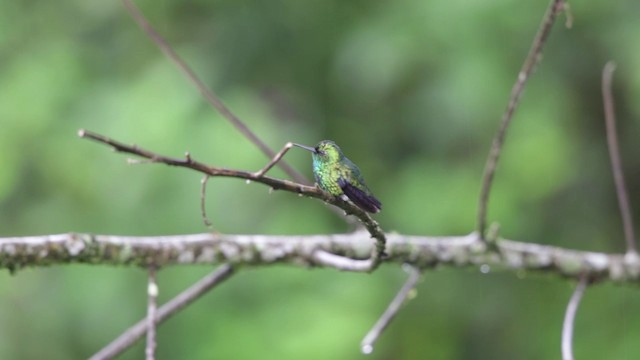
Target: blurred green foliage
411	90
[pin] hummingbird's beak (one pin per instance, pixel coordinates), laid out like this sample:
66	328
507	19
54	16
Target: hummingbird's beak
309	148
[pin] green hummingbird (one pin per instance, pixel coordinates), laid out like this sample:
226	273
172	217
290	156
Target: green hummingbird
339	176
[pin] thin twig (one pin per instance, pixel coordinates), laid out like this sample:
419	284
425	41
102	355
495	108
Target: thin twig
614	154
134	333
275	159
209	96
152	296
366	345
203	203
371	225
569	318
532	59
189	163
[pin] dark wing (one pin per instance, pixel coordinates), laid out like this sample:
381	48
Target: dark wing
362	199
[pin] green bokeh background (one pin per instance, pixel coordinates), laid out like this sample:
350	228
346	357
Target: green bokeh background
412	91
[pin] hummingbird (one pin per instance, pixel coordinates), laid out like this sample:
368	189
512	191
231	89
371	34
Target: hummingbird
339	176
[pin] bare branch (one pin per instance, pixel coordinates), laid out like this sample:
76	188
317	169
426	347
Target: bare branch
189	163
152	295
614	153
134	333
209	96
569	318
532	59
371	225
366	345
423	252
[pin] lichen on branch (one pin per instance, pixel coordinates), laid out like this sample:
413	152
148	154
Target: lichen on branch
257	250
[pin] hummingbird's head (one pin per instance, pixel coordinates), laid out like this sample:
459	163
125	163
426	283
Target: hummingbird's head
325	152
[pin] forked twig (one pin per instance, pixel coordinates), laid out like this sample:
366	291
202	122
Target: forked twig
275	160
532	59
209	96
390	313
614	154
569	318
152	296
134	333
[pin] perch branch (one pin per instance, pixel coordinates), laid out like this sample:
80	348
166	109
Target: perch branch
532	59
423	252
209	96
614	153
569	318
134	333
311	191
392	310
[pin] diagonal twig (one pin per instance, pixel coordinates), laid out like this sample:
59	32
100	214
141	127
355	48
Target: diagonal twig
134	333
390	313
569	318
614	154
209	96
152	295
275	160
532	59
212	99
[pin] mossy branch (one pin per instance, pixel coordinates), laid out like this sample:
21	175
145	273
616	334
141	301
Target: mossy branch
258	250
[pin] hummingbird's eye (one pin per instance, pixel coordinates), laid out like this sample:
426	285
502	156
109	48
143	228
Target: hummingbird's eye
321	152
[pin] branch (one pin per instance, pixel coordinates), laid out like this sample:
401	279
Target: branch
392	310
211	98
134	333
569	318
614	153
532	59
276	184
423	252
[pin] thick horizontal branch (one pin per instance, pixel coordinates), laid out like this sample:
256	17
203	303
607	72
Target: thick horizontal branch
250	250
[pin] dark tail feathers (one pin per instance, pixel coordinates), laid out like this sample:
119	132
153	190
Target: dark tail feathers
360	198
